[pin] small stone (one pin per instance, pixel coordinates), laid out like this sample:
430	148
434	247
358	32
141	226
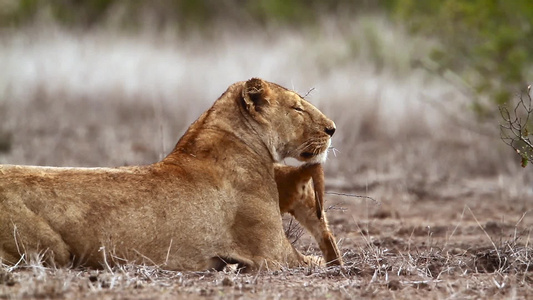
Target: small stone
7	278
227	282
138	285
394	285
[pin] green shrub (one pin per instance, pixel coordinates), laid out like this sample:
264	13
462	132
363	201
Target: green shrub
486	42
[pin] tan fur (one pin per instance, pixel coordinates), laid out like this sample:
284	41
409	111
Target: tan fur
301	193
212	200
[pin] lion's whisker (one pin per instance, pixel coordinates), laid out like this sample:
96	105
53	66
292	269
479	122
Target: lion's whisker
334	150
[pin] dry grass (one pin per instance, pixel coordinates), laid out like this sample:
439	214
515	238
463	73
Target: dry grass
372	270
453	220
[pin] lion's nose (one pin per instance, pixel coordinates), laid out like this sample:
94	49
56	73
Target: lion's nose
330	130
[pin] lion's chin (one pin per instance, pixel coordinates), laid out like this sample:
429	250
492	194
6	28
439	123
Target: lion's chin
322	157
314	158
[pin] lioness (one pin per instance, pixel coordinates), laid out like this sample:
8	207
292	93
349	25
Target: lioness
301	193
212	200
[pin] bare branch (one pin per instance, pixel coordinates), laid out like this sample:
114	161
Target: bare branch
516	129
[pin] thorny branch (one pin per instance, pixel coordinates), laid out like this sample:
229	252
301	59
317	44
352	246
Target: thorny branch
516	128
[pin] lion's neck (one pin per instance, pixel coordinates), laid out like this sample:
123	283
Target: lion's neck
222	135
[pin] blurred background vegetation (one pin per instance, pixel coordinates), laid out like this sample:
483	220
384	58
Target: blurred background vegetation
484	46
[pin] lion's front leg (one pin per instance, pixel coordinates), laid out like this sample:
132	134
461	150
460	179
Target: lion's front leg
259	241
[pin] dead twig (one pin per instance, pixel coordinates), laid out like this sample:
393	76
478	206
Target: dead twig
308	92
294	231
497	251
354	196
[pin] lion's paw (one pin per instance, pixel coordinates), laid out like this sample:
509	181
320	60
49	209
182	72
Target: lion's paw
314	261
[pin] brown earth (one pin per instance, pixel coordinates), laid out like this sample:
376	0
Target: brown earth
467	246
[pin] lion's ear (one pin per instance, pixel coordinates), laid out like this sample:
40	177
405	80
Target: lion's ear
255	93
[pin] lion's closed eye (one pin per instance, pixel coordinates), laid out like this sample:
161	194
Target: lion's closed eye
297	108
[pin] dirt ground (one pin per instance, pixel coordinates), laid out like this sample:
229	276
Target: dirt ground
429	246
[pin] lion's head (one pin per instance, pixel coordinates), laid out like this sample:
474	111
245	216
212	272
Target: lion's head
292	127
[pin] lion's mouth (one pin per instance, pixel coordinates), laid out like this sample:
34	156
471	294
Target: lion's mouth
307	155
314	151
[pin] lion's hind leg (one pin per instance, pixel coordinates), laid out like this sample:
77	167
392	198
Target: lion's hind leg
24	234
